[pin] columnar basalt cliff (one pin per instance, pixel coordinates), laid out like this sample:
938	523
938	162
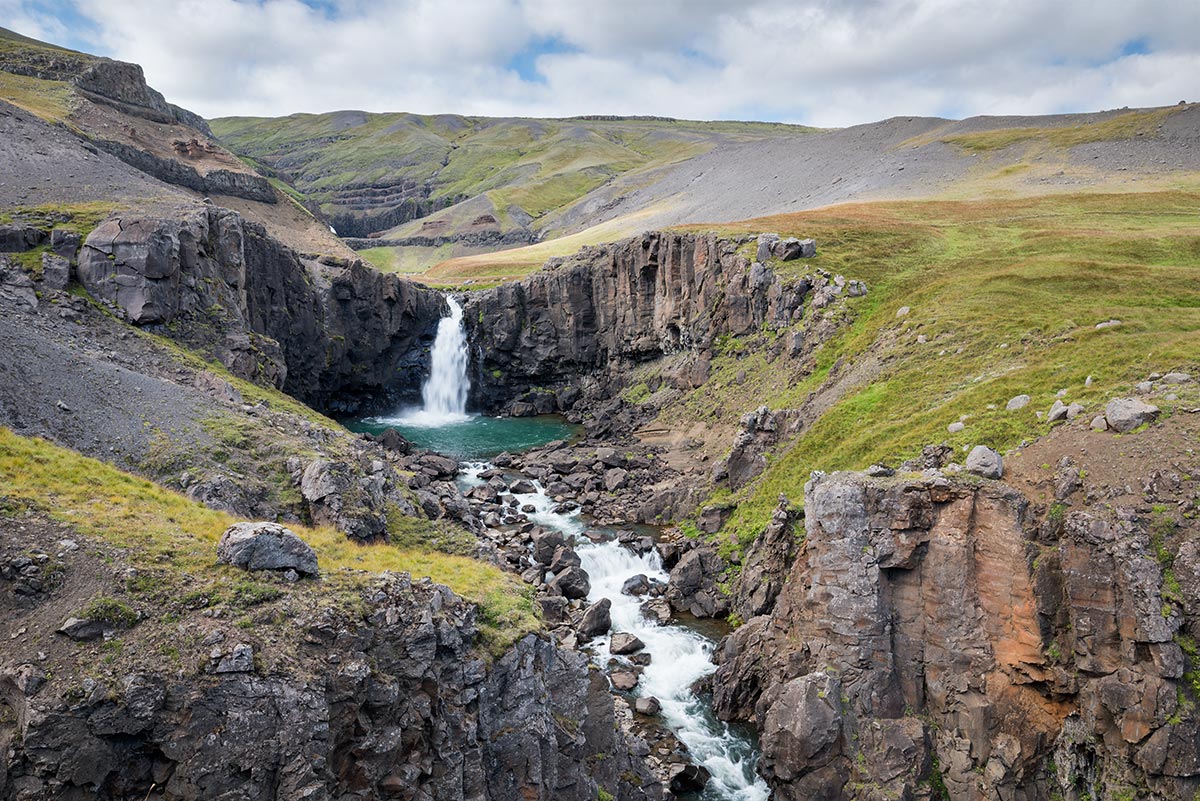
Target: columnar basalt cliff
613	306
334	333
932	633
394	701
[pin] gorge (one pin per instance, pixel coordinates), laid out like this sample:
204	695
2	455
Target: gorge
892	499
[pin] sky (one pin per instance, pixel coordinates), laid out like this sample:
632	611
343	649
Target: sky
815	62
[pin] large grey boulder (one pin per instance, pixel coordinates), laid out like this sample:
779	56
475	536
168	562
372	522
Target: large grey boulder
983	461
266	546
1126	414
571	583
597	619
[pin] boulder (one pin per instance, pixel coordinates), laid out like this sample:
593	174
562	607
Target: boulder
81	629
689	779
239	660
1074	410
1019	402
1099	423
647	706
56	271
1057	412
614	479
624	680
656	609
955	427
1126	414
1176	378
983	461
522	486
266	546
564	557
571	583
792	248
596	620
636	585
623	643
545	545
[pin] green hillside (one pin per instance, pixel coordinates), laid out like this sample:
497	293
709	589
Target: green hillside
371	172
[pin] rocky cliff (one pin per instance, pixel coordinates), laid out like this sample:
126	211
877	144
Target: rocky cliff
942	637
334	333
610	307
388	697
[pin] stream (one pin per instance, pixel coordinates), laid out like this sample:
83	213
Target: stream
679	655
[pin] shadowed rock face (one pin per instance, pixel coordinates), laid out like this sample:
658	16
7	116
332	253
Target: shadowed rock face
926	619
409	710
337	335
612	306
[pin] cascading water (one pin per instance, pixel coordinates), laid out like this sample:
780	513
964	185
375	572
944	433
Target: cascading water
679	656
444	393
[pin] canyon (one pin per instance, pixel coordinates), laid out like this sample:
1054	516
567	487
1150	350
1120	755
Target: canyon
795	405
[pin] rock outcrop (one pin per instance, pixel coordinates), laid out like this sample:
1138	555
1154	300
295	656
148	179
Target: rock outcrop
407	709
930	633
612	306
338	335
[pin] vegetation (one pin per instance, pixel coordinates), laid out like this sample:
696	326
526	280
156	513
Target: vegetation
1122	126
175	538
1007	294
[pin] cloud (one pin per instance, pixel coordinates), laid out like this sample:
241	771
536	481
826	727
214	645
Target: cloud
821	62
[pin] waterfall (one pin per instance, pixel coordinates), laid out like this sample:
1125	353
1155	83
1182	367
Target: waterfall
444	393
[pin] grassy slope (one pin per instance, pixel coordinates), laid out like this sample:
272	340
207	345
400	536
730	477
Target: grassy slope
539	165
162	529
1008	294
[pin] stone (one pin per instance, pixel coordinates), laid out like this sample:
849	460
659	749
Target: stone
955	427
1108	324
1074	410
266	546
81	629
596	620
1057	412
239	660
656	609
624	680
614	479
522	486
564	557
985	462
765	244
689	779
792	248
1176	378
56	271
636	585
647	706
623	643
1019	402
1126	414
571	583
1099	423
903	311
545	544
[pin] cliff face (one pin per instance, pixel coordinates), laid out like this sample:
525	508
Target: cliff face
333	333
931	633
392	703
613	306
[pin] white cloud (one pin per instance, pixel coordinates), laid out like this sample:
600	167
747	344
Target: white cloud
821	62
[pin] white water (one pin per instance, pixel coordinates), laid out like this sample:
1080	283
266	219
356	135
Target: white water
679	656
444	393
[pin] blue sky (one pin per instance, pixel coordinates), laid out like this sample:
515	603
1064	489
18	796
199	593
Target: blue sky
819	62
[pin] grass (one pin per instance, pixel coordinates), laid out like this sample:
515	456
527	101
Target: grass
1122	126
52	101
166	533
1007	292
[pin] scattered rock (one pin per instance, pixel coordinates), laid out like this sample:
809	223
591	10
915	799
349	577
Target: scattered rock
623	643
1099	423
1057	412
636	585
1176	378
1019	402
1108	324
624	680
985	462
1126	414
239	660
690	779
596	620
903	311
266	546
571	583
955	427
1074	410
81	629
647	706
